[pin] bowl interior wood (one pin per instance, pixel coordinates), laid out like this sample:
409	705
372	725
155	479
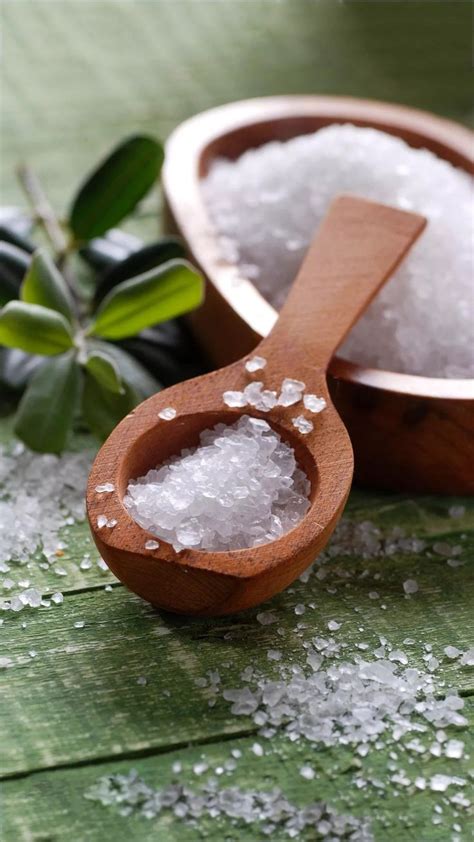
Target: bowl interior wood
230	130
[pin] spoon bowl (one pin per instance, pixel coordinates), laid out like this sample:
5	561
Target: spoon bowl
357	247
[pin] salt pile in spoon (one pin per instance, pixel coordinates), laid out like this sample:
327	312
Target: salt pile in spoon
241	487
267	205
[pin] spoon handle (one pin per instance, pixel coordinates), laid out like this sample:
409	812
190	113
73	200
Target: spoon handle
357	247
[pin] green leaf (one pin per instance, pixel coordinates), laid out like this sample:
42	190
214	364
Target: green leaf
105	371
14	263
46	411
45	285
143	260
113	190
160	294
103	409
130	369
34	329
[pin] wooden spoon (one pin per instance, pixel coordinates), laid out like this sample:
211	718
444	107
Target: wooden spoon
357	247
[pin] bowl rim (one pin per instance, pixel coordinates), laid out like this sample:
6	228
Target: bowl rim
188	151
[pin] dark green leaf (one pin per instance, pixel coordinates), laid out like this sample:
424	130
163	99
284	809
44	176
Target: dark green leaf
14	264
16	367
169	351
130	370
34	329
113	190
158	295
10	235
105	370
45	285
104	252
139	262
103	409
47	408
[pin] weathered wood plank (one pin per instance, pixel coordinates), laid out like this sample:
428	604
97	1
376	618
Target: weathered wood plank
87	704
51	805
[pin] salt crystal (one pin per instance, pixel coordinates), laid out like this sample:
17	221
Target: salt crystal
291	391
105	488
333	625
302	424
467	659
274	655
300	609
167	414
234	399
151	545
102	521
257	750
456	511
240	487
142	681
452	652
313	403
5	663
79	624
267	204
410	586
454	748
307	772
266	618
255	364
57	598
200	768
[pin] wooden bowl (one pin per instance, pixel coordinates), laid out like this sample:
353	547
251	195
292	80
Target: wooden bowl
409	433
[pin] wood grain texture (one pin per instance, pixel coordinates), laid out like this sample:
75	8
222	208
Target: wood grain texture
406	816
356	248
420	424
78	700
117	67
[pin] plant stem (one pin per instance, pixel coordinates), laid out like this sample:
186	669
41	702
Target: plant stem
47	218
43	211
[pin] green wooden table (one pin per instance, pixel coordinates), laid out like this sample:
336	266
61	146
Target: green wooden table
76	77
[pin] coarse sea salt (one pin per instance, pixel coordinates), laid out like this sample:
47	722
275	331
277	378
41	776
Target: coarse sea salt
270	811
240	487
267	205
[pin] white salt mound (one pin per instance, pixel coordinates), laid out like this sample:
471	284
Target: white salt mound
240	487
268	204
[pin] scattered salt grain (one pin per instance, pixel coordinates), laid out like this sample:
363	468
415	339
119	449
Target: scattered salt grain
240	487
102	521
105	488
234	399
79	624
151	545
454	749
313	403
467	659
307	772
410	586
142	681
291	391
333	625
167	414
267	204
457	511
302	424
128	794
257	750
266	618
255	364
274	655
200	768
452	652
